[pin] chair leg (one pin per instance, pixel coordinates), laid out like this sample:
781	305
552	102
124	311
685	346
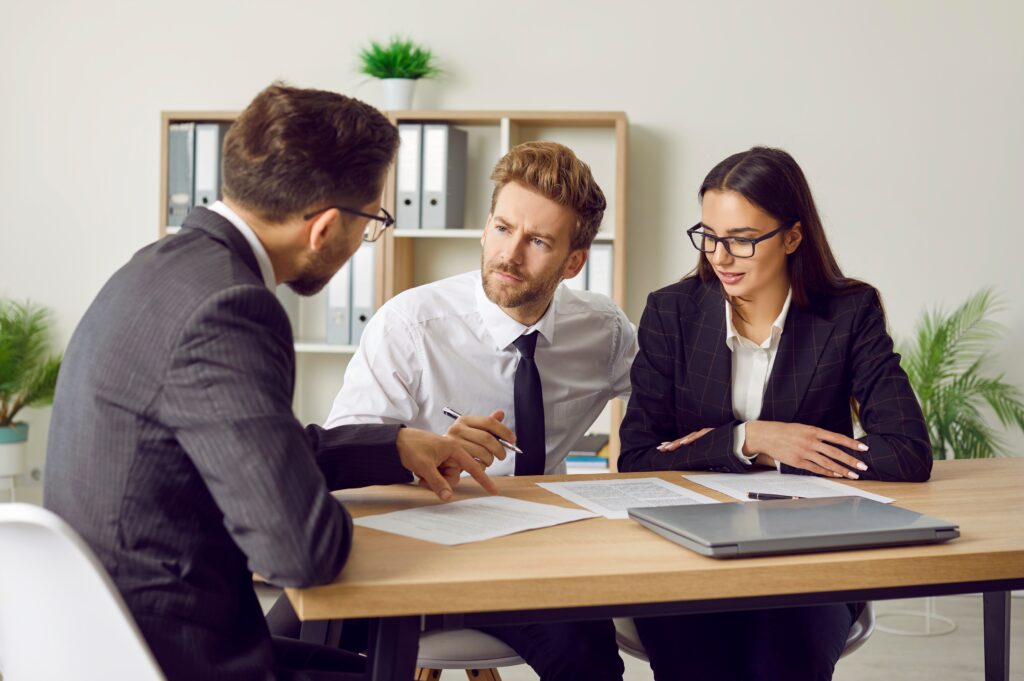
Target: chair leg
483	674
423	674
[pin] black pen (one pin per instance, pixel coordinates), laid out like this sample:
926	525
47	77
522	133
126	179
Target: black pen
452	414
764	496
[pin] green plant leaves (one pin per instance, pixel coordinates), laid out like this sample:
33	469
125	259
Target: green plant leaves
400	58
28	374
945	364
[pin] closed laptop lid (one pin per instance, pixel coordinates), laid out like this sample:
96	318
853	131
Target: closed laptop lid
792	525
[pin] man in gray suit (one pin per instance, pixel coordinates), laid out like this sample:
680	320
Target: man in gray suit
173	448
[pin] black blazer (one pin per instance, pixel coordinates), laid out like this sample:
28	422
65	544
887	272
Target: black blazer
174	452
682	382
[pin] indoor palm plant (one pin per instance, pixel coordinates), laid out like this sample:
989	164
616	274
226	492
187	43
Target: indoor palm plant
398	64
28	376
946	365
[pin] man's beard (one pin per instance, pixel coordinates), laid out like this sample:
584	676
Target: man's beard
525	292
315	274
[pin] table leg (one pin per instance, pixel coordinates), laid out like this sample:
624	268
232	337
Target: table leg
997	635
314	631
394	643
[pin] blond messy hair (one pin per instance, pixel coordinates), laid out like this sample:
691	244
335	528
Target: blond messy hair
554	171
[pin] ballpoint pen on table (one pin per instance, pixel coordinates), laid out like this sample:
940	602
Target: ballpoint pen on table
764	496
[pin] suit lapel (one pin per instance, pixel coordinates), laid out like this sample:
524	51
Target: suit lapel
804	337
709	361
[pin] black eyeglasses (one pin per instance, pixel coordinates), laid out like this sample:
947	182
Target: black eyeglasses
737	246
374	229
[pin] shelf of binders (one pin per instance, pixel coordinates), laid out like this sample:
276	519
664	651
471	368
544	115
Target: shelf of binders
439	191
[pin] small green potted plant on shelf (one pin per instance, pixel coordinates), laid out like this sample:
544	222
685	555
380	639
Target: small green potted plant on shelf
946	366
398	64
28	376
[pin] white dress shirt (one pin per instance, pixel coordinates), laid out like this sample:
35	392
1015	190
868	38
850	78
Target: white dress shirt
751	366
446	344
262	258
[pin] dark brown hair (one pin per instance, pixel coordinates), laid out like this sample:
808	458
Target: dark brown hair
771	180
294	149
554	171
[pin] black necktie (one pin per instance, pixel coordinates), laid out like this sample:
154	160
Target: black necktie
529	404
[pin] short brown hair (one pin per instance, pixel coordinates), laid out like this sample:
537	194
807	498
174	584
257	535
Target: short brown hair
554	171
293	149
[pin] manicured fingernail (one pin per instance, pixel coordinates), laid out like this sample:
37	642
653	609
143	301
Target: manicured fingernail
664	443
861	465
836	475
863	447
853	475
446	494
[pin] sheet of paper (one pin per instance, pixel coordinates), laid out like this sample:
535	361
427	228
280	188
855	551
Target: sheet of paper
737	485
611	498
469	520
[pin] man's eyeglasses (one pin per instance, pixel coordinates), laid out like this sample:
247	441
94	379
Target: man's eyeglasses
737	246
374	229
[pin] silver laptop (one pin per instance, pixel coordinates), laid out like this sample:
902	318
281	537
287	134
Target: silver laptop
792	526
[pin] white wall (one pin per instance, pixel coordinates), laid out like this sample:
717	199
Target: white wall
905	115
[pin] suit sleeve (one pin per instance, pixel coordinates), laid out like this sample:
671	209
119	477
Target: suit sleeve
896	434
650	416
227	397
899	447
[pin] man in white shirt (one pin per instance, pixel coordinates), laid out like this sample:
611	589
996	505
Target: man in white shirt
466	343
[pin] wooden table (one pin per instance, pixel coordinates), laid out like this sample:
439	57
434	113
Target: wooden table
601	568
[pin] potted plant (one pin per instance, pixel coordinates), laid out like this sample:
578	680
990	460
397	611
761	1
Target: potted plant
946	366
399	64
28	376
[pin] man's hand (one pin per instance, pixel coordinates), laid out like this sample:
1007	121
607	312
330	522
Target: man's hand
478	434
438	461
803	446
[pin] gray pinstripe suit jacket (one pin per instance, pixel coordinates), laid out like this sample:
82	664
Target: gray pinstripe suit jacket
173	450
682	382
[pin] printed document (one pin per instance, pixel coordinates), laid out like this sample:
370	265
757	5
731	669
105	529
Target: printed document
611	498
469	520
737	485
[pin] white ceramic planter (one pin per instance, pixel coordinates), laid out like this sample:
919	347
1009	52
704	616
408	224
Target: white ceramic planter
398	93
12	450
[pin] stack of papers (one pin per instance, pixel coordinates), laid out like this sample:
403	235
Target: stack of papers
772	482
611	498
470	520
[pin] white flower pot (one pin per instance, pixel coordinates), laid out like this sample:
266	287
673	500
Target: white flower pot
12	450
398	93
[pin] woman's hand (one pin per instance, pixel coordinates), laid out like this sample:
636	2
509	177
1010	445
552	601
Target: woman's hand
802	446
673	445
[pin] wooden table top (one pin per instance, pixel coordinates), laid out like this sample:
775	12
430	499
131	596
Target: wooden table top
614	562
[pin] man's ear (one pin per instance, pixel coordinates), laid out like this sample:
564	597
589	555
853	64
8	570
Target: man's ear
792	238
577	259
320	226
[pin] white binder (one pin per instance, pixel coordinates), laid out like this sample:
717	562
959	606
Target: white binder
364	271
407	180
339	303
209	141
444	177
599	275
180	149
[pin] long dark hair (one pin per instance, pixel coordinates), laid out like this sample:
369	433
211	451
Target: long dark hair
771	180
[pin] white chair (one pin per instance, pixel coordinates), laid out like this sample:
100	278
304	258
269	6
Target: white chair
479	654
629	640
60	615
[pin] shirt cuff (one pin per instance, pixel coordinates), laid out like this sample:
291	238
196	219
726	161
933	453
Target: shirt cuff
739	437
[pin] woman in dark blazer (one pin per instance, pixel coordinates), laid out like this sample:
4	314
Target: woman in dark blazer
761	358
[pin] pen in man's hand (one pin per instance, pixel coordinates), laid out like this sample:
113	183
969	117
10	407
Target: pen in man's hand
452	414
764	496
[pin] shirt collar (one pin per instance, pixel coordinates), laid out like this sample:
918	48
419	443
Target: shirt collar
503	329
732	338
262	259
